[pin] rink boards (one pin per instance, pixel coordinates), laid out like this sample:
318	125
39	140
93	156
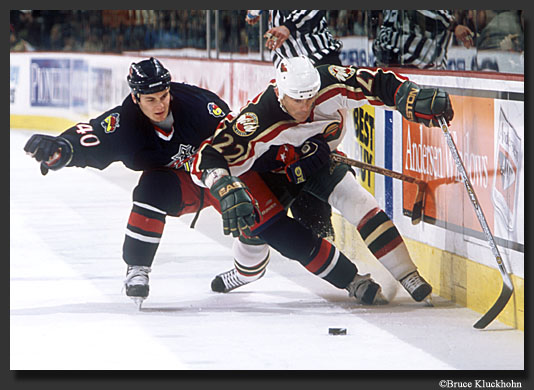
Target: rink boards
51	91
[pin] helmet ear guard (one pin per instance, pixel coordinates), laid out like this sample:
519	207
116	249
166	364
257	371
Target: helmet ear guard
297	78
148	76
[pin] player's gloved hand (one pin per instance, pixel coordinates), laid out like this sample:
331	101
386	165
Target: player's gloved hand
238	208
314	153
52	152
423	105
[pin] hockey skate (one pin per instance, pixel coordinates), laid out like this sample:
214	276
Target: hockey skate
417	287
136	283
366	290
230	280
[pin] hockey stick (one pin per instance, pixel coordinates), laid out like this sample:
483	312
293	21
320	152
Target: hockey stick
507	287
417	210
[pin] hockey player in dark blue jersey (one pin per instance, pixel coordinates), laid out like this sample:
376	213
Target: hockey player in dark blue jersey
160	124
156	129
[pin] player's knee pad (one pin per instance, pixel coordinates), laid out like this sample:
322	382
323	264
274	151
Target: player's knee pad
351	199
160	189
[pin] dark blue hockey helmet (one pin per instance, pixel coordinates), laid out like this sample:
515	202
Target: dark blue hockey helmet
148	76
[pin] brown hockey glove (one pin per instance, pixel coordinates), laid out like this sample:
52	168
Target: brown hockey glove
423	105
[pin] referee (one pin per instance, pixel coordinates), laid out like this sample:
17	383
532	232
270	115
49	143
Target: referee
418	38
293	33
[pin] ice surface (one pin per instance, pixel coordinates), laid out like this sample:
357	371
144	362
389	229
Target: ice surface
67	310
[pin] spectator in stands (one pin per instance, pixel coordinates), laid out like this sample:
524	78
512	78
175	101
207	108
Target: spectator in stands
503	31
16	43
348	23
56	37
357	22
71	43
342	24
138	30
114	23
93	42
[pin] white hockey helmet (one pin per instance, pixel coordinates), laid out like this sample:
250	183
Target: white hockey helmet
297	78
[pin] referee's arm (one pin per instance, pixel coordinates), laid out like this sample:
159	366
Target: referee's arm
304	20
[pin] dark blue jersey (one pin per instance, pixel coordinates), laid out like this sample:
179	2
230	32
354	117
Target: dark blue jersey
125	134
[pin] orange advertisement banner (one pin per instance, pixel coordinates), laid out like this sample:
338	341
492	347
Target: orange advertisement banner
427	156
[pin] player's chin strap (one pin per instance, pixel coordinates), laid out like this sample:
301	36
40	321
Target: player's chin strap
279	96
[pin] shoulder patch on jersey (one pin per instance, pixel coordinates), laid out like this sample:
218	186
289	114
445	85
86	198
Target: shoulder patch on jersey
342	73
215	110
111	123
246	124
333	131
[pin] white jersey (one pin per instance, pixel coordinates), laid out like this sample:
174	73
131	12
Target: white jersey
243	138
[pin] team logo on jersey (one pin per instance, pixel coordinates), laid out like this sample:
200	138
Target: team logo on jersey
111	122
215	110
246	124
183	157
341	73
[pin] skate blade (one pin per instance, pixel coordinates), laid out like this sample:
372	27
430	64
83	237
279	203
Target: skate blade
380	299
428	301
138	302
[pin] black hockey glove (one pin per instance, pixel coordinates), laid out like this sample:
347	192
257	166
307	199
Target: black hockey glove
314	153
423	105
52	152
239	209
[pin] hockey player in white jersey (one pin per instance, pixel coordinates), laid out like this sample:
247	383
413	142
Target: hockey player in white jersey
305	102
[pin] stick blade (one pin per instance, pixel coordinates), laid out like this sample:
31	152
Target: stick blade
417	210
497	308
417	213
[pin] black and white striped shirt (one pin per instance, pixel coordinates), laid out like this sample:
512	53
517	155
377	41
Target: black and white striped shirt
417	38
309	35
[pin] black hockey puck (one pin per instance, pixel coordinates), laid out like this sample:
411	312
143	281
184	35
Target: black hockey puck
337	331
